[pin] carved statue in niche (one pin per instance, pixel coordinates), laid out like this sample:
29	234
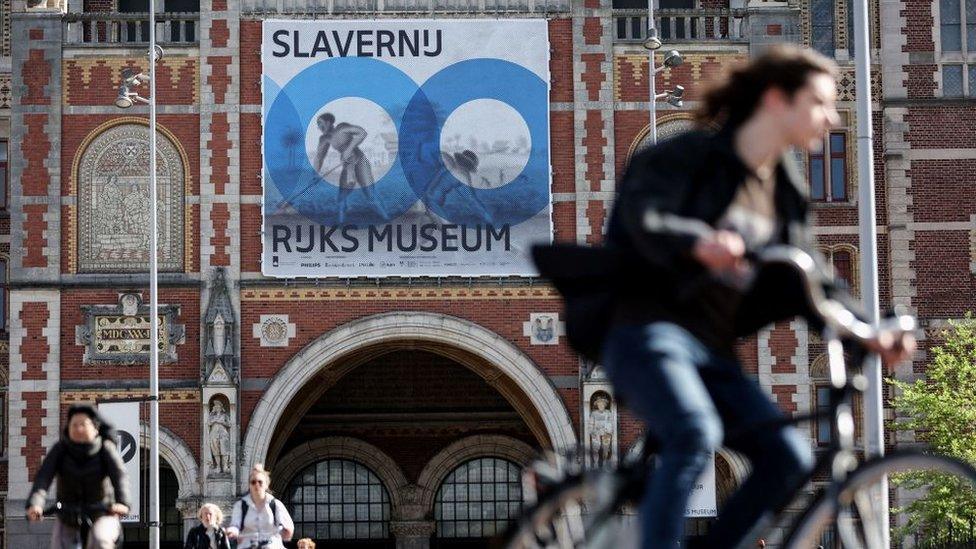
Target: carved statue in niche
600	428
219	431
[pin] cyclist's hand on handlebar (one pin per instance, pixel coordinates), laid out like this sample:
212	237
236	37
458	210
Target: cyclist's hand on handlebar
720	251
119	509
894	346
34	513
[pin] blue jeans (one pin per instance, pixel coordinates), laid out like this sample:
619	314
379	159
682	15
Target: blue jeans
686	393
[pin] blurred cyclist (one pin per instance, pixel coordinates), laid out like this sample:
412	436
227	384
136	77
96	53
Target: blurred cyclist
686	294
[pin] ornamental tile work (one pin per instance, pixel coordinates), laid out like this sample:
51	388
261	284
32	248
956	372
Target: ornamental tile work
5	91
113	202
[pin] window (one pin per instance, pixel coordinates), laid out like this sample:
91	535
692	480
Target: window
339	499
950	27
820	393
3	173
822	26
824	434
957	42
478	499
952	81
828	170
843	267
841	260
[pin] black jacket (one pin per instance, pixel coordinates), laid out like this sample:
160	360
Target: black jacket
695	176
88	474
197	538
642	276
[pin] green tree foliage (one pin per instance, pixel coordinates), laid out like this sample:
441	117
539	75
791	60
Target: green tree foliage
941	410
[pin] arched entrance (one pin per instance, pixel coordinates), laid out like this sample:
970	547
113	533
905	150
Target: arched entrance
393	410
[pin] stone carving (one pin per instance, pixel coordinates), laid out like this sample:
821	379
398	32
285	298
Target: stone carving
220	358
591	371
544	328
274	330
114	204
218	428
600	427
119	334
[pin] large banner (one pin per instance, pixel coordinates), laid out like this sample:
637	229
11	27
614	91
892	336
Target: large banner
124	416
405	147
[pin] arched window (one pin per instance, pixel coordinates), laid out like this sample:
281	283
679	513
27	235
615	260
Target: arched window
338	499
820	385
842	258
478	499
665	130
171	523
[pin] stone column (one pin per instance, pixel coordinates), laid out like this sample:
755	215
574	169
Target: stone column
412	534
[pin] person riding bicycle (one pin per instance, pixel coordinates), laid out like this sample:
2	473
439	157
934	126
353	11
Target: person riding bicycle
259	519
93	485
684	295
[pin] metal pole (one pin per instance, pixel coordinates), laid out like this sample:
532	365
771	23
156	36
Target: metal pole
153	298
873	402
651	27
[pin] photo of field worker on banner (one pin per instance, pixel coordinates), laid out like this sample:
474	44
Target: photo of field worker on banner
405	148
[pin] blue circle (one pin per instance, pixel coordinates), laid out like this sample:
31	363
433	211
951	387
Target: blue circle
293	111
420	138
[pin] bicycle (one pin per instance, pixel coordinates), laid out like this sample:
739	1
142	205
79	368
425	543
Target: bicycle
576	507
82	517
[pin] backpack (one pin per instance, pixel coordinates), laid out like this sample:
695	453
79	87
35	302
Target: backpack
274	512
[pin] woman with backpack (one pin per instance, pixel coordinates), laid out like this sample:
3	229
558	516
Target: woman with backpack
259	519
93	487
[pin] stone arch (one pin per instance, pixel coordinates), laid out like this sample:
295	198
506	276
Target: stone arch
819	368
668	126
486	353
110	182
179	457
465	449
352	449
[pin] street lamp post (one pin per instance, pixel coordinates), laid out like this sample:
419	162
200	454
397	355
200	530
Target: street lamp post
124	100
652	43
671	59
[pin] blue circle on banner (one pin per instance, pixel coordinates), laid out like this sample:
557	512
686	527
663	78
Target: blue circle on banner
423	161
287	122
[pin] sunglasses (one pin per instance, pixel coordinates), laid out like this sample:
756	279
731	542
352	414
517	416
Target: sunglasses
256	481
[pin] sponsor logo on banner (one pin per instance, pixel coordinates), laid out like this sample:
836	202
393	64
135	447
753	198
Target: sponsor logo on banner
124	416
405	147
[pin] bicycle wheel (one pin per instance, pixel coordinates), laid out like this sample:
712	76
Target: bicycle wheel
579	512
846	518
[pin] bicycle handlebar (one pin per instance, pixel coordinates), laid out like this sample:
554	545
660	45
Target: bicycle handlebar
834	314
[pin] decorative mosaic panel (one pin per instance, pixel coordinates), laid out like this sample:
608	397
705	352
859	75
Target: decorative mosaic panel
5	90
114	206
5	28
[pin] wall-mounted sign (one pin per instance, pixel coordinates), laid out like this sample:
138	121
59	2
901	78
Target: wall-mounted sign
119	334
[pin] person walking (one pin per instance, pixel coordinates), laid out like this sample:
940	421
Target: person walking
208	534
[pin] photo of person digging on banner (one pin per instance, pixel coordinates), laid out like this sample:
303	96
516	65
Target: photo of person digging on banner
356	171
